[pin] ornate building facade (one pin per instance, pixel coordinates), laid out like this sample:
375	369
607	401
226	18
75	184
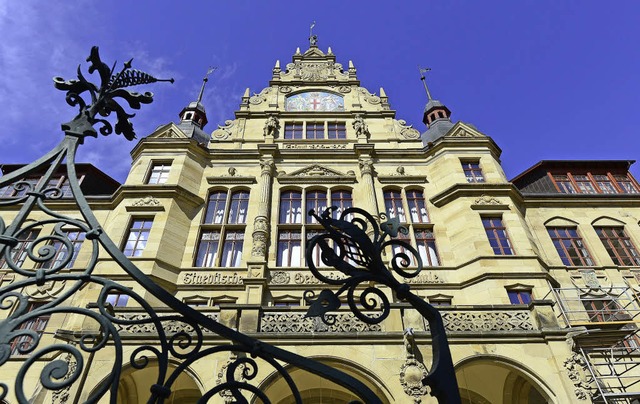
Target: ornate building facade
537	278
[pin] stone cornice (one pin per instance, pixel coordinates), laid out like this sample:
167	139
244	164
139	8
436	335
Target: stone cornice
476	190
402	179
157	191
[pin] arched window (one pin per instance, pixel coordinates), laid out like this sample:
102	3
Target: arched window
417	208
393	205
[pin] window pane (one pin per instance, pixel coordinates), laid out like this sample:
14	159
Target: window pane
159	173
393	205
417	208
19	251
293	130
316	200
238	208
315	130
337	130
342	200
291	207
619	246
232	249
497	235
289	248
215	207
137	238
472	171
208	249
427	247
570	246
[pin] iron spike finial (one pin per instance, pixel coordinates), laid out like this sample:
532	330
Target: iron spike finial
423	70
205	79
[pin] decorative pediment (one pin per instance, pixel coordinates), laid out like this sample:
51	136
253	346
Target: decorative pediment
464	130
146	204
168	131
313	51
315	172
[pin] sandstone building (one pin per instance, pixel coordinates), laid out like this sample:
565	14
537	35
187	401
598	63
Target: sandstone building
537	277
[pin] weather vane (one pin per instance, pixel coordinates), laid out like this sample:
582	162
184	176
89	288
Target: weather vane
313	39
205	79
423	70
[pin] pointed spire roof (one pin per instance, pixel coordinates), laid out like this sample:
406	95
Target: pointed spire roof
193	117
436	115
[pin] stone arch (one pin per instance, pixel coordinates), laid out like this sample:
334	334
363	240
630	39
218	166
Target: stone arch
607	221
135	384
499	380
316	390
558	221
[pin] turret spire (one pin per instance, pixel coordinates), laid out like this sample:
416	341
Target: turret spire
204	82
436	115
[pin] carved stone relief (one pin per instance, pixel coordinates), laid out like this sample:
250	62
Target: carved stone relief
285	89
361	127
405	131
271	126
369	97
280	278
576	366
256	99
297	322
45	291
147	201
478	321
224	132
315	71
485	199
462	132
412	372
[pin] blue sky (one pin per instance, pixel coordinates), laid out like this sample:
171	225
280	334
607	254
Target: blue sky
544	79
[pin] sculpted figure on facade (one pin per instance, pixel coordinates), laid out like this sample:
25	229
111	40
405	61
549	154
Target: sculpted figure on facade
271	126
360	126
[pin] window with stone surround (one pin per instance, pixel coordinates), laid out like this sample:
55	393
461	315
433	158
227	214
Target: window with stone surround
619	246
570	247
519	296
594	183
296	227
137	237
418	223
222	232
497	235
472	171
159	172
315	130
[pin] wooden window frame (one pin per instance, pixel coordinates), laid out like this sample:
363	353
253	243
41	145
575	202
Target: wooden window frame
583	259
595	183
628	248
496	231
20	249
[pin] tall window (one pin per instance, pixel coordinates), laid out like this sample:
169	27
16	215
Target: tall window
222	233
342	200
295	229
497	234
417	208
293	130
19	252
420	228
393	205
472	171
137	237
76	238
315	130
337	130
619	246
570	246
426	243
159	173
37	324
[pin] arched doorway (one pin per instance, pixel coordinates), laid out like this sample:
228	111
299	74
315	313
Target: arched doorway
492	380
317	390
134	386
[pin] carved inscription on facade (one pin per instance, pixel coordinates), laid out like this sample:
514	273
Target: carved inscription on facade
313	146
197	278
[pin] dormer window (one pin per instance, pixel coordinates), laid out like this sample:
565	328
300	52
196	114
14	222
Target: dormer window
591	183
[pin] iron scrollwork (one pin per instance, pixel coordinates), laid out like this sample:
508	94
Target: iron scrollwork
354	244
69	359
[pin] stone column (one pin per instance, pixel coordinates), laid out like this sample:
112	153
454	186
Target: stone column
365	163
261	223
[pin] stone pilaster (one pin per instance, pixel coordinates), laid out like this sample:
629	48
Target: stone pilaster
365	163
